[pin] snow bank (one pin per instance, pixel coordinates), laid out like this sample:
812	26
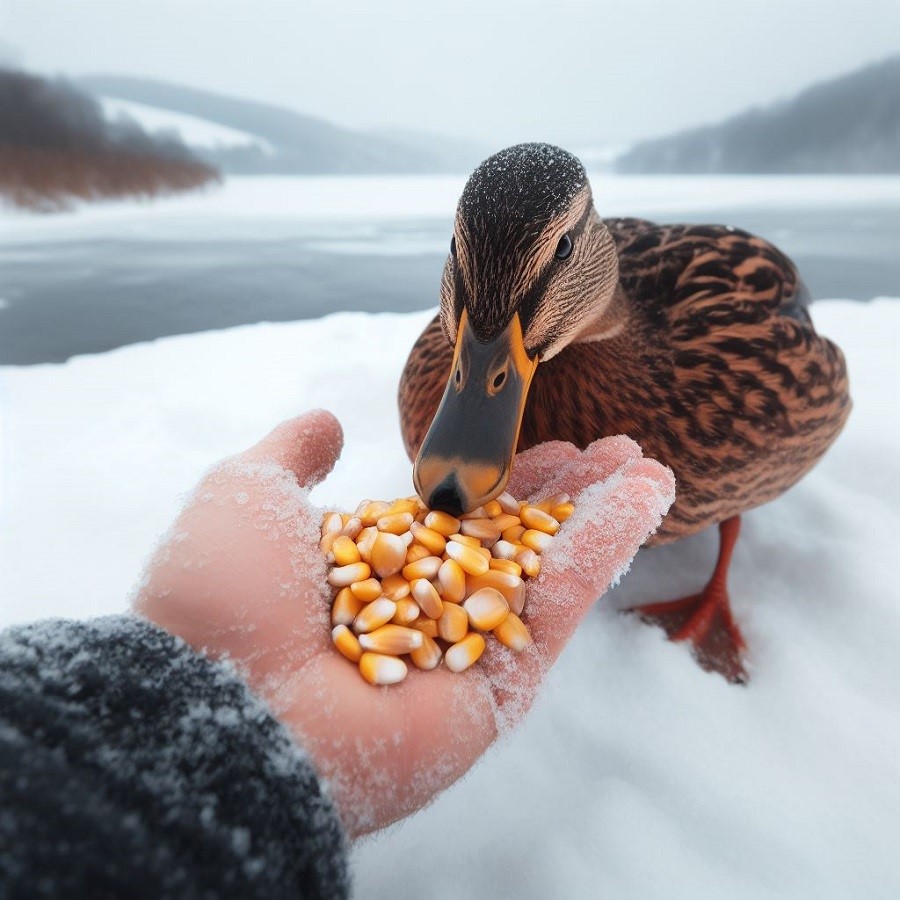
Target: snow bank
637	774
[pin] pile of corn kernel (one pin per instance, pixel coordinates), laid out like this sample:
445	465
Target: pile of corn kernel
415	582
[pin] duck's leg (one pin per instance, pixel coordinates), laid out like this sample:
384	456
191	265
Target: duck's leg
705	619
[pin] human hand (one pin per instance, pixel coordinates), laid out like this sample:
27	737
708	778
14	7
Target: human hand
240	575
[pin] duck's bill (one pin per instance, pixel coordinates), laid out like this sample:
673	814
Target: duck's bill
467	454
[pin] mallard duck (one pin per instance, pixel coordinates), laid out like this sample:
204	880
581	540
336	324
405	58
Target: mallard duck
556	324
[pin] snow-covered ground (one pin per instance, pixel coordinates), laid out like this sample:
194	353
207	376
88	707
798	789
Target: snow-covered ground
637	774
193	130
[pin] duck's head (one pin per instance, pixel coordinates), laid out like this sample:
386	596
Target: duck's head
531	269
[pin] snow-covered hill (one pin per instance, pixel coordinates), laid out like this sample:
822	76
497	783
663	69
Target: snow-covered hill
637	774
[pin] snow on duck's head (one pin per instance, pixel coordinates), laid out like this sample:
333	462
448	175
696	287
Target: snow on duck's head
514	211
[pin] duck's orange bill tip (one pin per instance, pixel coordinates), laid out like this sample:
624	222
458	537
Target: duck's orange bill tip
466	457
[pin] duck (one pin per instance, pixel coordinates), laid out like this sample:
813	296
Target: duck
556	324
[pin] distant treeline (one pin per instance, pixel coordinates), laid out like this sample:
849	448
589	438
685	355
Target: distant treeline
56	145
846	125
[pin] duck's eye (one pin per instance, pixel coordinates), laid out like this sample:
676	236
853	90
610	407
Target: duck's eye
453	246
564	247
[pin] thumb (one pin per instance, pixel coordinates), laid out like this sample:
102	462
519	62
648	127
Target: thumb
308	445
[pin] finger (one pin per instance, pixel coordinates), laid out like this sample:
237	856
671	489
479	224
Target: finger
308	445
597	463
594	549
534	466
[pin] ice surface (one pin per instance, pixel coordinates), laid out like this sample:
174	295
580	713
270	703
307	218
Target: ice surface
636	774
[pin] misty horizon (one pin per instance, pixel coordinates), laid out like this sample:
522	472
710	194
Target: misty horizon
577	75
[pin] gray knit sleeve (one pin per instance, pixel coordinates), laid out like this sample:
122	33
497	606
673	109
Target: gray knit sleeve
130	766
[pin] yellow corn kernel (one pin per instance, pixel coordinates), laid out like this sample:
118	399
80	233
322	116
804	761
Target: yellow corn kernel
426	567
538	520
432	540
427	656
415	552
332	523
388	554
485	553
529	561
563	511
427	597
326	543
365	541
352	528
486	608
372	512
482	529
508	504
396	523
442	523
465	539
345	640
541	505
379	669
513	534
478	513
453	623
469	559
536	540
513	633
367	590
344	551
346	607
403	505
511	586
465	653
506	565
504	550
377	613
344	576
395	587
407	611
493	508
452	581
393	639
426	626
504	521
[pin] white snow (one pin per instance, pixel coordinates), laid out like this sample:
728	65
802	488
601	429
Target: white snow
193	130
637	774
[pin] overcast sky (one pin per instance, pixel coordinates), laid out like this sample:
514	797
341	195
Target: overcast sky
575	73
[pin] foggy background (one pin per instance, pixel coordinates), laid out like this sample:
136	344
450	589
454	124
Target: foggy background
580	74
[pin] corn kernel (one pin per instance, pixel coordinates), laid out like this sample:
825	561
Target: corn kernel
529	561
493	508
469	559
465	539
352	528
345	640
378	669
513	534
478	513
397	523
395	587
393	639
365	541
486	608
504	521
426	567
344	576
453	623
404	505
344	551
427	597
508	503
426	626
513	633
482	529
407	611
427	656
442	523
388	555
452	581
346	607
539	520
372	512
377	613
434	541
415	552
367	590
511	586
536	540
506	565
563	511
465	653
332	524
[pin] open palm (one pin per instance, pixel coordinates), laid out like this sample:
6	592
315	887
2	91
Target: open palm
240	576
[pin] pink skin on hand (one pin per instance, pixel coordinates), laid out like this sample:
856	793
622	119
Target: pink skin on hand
240	575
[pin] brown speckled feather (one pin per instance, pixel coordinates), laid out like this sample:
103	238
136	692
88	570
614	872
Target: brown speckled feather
719	372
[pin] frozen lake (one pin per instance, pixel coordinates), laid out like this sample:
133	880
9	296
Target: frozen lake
282	249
